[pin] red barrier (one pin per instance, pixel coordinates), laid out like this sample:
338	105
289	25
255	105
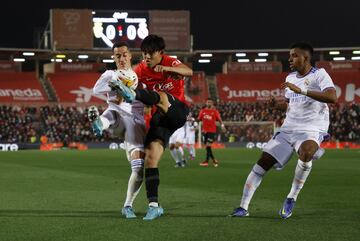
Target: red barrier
249	87
196	89
21	87
253	87
340	145
75	87
343	66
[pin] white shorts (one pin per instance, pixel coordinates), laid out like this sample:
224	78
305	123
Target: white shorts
178	136
190	138
282	145
131	128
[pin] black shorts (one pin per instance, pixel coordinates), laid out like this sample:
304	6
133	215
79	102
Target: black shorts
162	126
208	137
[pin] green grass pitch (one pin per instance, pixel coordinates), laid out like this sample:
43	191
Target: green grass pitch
77	196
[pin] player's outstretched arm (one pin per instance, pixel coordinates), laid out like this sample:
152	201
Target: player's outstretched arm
181	69
327	96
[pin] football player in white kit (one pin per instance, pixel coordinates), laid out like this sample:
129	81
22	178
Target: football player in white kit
190	128
175	147
125	118
307	90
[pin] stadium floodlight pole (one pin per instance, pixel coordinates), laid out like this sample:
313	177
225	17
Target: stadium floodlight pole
45	36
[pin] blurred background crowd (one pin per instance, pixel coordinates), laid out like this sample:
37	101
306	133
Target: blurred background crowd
245	122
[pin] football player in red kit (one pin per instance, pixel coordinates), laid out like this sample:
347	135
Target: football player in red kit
209	115
163	77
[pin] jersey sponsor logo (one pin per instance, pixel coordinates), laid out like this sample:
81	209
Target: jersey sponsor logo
208	117
164	86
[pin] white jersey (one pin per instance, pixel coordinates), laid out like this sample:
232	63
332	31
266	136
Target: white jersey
178	136
102	87
190	128
305	113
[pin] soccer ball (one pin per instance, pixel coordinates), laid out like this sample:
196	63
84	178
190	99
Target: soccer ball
128	77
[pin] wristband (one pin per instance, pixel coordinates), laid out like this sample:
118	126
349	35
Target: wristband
303	91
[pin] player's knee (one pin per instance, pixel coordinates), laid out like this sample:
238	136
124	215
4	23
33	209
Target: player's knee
151	160
306	155
137	153
305	165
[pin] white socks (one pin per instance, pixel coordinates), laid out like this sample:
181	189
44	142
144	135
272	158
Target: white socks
105	122
135	181
251	184
153	204
302	171
181	152
192	150
174	155
177	154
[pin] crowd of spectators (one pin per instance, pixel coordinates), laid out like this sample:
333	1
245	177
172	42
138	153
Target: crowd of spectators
18	124
70	124
344	124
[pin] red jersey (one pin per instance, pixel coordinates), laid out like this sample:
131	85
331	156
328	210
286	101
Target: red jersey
209	118
162	81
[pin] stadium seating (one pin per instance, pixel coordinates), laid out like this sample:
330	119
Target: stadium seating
21	87
75	87
70	124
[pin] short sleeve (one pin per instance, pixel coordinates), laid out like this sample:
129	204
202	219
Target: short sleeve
324	80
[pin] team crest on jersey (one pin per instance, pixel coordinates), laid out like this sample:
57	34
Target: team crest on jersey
307	82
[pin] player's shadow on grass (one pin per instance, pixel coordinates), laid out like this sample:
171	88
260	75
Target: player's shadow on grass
60	213
117	214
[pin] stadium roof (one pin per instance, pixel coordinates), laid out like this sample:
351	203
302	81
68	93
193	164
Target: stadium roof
226	24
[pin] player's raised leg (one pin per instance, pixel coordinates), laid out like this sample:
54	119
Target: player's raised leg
100	123
253	181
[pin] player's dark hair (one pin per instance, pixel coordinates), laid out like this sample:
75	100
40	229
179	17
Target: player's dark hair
119	45
303	46
152	43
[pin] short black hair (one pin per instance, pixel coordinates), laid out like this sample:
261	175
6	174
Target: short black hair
119	45
152	43
303	46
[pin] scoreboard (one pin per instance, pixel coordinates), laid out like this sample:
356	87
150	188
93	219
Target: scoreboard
113	26
100	29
